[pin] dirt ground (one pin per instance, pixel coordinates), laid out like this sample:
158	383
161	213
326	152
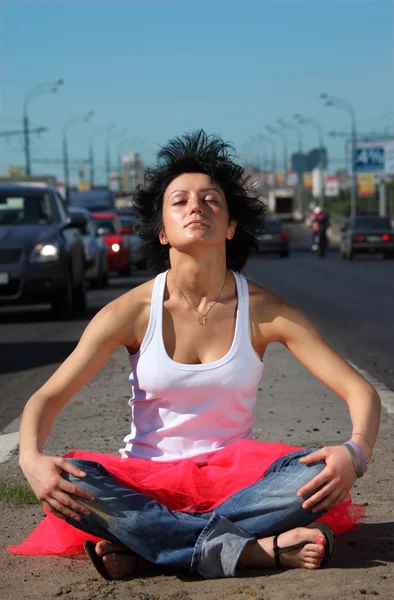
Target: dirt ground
293	408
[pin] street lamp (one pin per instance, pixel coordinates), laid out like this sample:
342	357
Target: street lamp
95	133
110	135
266	138
280	133
302	120
38	90
75	120
287	125
348	108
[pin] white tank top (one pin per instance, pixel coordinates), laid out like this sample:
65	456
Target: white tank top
191	410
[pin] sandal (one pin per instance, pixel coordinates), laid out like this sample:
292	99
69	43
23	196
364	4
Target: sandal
329	548
99	565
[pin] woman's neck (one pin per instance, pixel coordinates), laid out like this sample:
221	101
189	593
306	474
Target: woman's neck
198	279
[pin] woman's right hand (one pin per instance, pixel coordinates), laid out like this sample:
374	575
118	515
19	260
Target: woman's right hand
44	474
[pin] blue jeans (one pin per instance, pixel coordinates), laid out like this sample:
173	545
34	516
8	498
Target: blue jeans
208	543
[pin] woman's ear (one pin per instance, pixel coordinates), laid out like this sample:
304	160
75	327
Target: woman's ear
232	226
163	238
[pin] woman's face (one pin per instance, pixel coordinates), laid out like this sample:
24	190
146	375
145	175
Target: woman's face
195	211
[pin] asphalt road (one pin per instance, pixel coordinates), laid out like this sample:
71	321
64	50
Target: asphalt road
351	303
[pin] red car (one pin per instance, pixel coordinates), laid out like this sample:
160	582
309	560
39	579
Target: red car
115	237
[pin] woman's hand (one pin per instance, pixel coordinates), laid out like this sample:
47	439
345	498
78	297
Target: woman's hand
335	480
44	474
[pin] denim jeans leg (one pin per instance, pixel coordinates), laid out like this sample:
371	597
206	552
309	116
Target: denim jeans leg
268	507
162	536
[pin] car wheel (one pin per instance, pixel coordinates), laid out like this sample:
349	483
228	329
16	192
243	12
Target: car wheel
62	303
79	297
284	254
388	255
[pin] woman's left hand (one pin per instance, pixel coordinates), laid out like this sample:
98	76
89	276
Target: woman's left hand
334	482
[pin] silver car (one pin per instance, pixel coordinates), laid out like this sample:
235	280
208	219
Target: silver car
94	247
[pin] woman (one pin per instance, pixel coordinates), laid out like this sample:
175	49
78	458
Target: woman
191	488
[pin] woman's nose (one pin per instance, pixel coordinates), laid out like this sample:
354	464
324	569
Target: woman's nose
195	205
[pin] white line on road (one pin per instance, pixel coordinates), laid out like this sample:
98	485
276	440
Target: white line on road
9	436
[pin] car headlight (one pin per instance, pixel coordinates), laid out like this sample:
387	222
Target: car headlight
115	247
43	253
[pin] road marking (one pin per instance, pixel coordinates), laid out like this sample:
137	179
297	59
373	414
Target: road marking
9	436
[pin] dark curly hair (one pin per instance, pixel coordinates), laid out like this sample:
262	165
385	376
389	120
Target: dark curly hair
198	152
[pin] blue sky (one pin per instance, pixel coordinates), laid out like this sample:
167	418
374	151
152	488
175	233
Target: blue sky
161	68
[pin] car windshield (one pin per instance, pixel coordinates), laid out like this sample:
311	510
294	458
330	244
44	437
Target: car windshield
372	223
105	226
29	209
273	226
91	198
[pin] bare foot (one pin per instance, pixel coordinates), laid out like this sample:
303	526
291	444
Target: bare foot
117	565
261	553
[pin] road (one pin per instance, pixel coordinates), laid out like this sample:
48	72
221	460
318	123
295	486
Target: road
350	302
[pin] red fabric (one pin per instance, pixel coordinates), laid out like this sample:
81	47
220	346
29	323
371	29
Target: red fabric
180	485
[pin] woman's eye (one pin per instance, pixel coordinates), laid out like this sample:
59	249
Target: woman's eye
210	199
179	202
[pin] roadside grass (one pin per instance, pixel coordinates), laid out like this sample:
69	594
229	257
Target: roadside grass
17	495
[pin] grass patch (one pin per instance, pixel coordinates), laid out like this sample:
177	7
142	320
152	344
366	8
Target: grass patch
18	495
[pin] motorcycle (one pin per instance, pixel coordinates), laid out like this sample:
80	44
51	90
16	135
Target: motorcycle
320	242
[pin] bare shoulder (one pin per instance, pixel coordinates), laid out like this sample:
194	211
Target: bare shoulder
127	316
276	319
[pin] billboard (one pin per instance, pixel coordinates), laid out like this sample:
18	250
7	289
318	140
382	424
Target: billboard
307	180
366	185
331	186
375	157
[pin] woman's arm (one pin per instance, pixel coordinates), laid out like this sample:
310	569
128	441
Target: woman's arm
108	330
289	326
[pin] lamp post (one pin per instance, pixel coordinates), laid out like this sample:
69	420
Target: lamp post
261	138
111	134
38	90
280	133
287	125
95	133
348	108
302	120
75	120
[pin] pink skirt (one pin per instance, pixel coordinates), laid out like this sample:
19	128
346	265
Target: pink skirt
180	485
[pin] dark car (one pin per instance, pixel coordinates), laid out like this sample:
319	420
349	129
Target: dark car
96	200
367	234
274	240
41	258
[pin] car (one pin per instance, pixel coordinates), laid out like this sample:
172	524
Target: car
367	234
94	245
116	240
129	224
42	258
274	239
95	200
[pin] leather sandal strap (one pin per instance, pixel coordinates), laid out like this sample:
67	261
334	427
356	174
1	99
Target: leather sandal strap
278	551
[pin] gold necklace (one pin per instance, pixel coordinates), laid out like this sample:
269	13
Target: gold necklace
203	316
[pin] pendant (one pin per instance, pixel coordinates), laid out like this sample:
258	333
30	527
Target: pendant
202	320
